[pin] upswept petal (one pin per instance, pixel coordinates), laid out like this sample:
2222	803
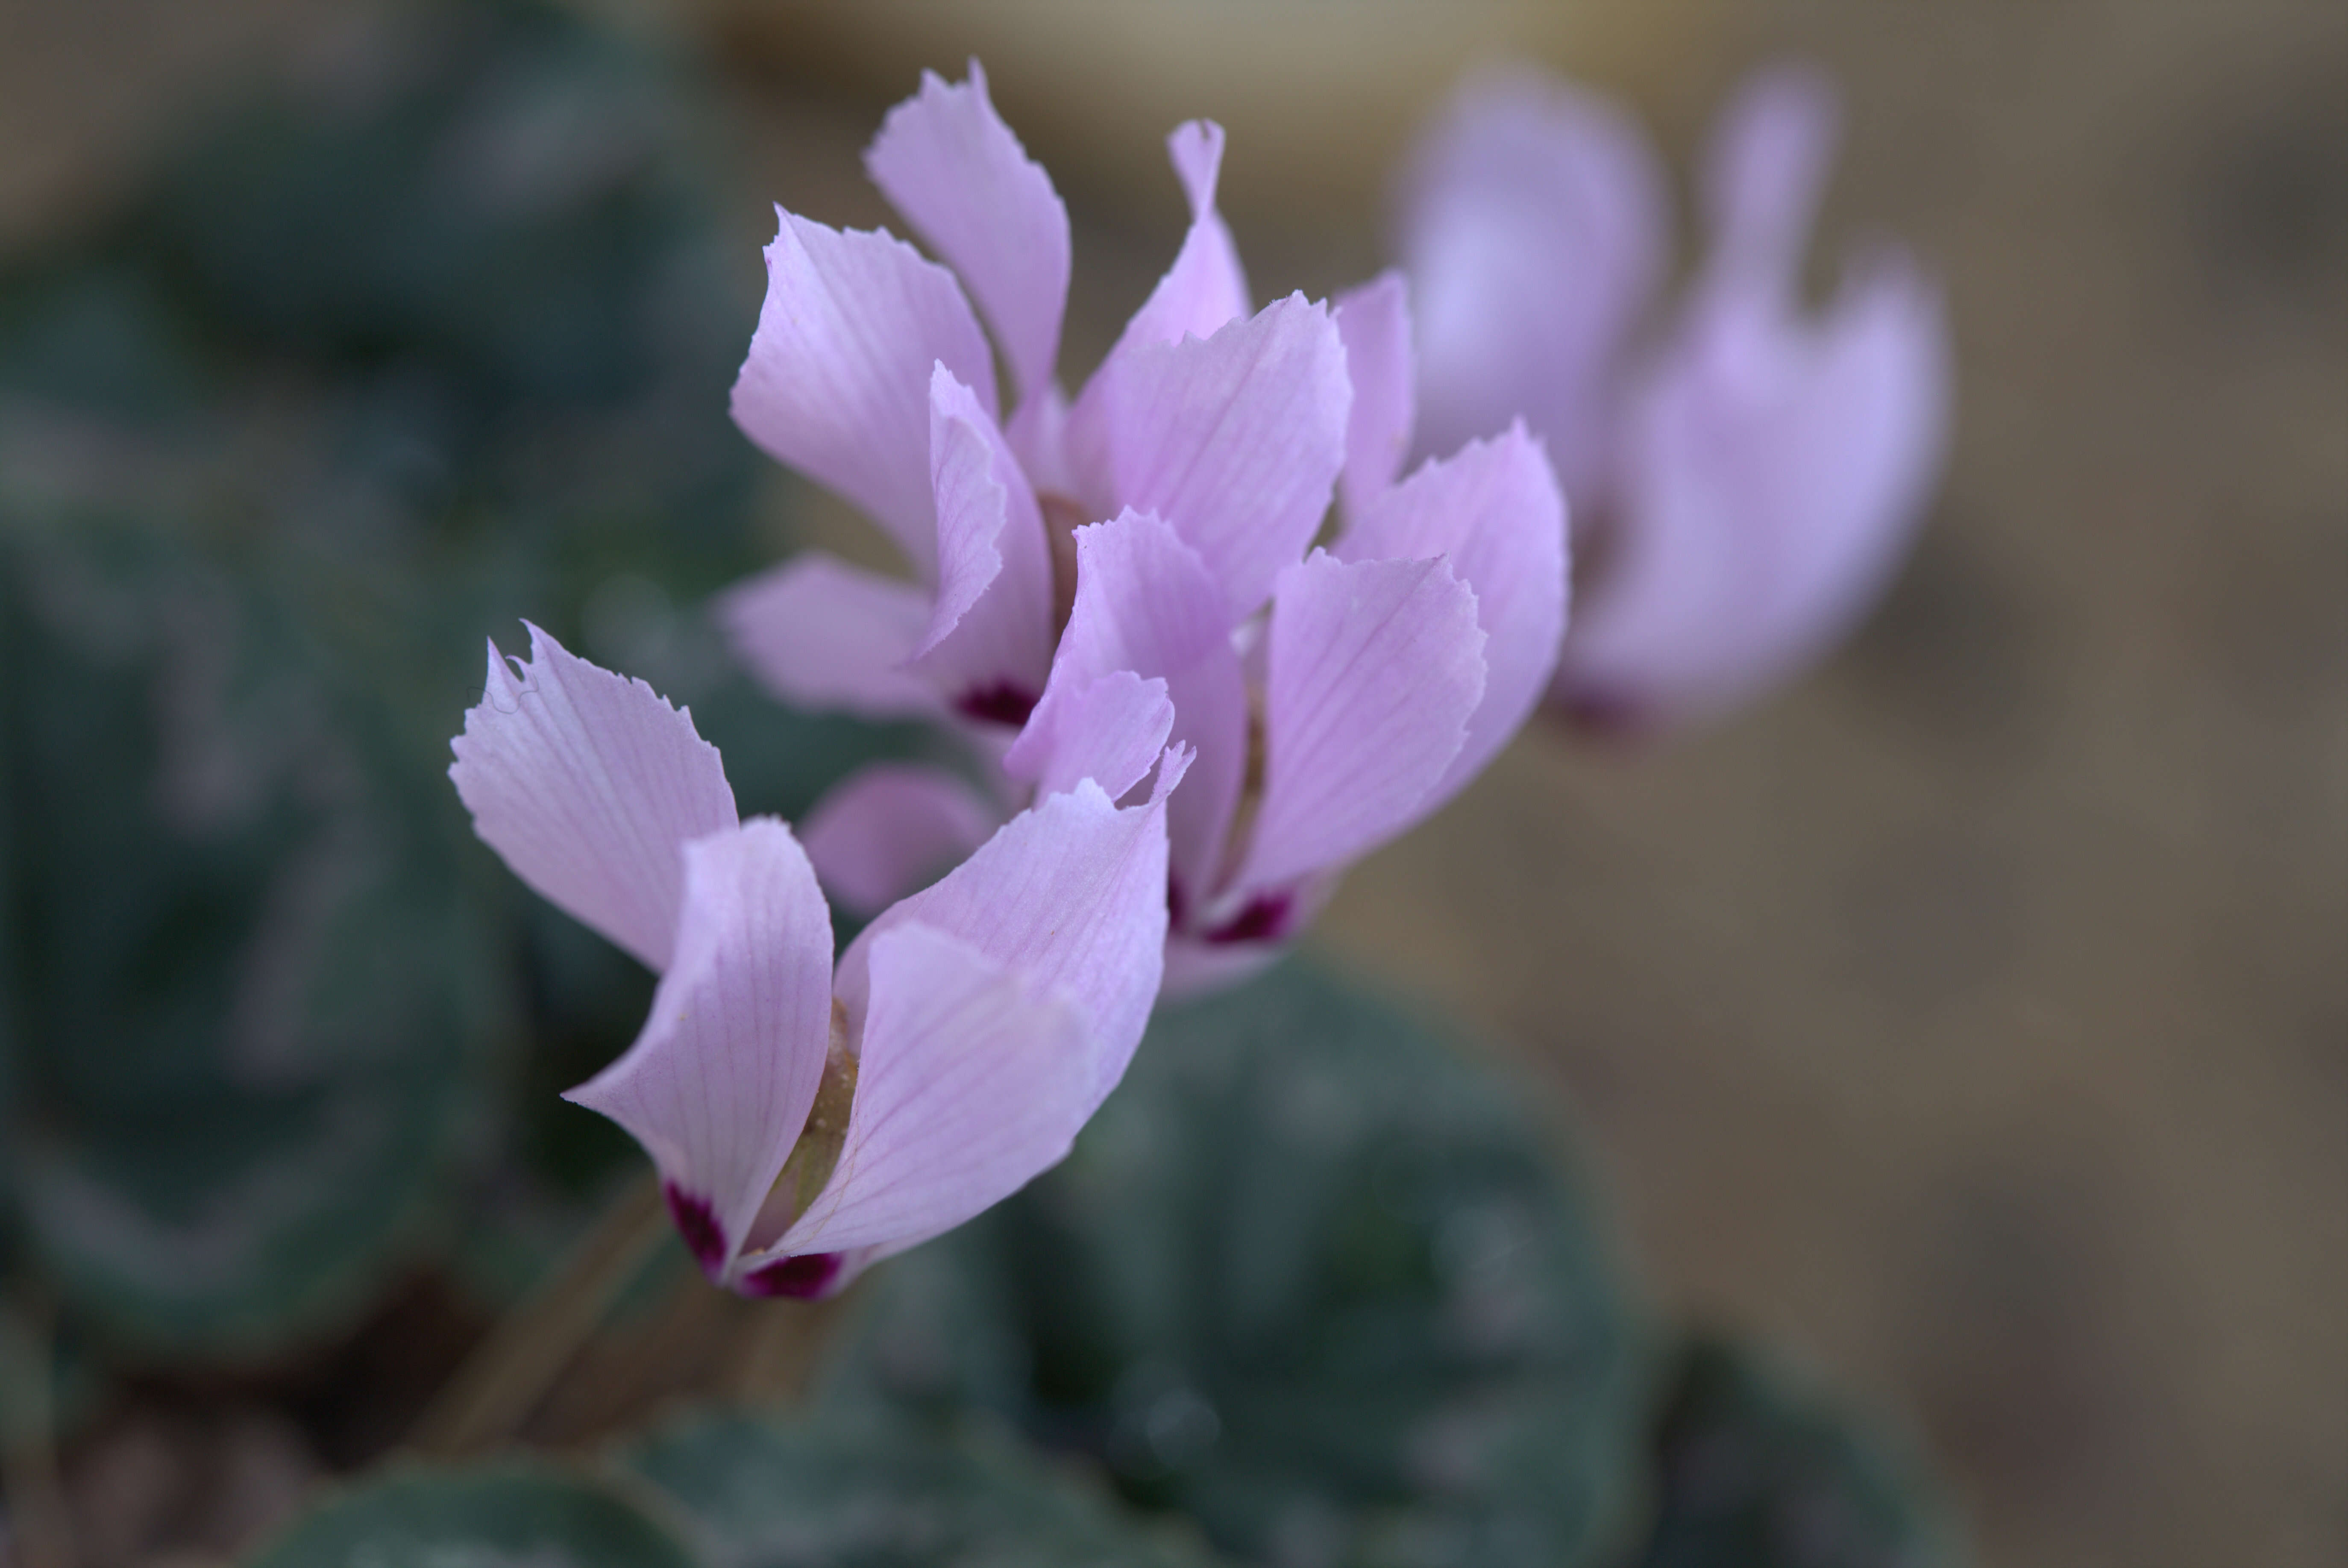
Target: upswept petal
586	783
1373	670
988	644
1533	219
836	384
973	1079
824	634
945	159
1205	288
1765	172
890	827
1494	512
1110	730
1773	475
719	1083
1071	892
1374	322
1234	439
1147	604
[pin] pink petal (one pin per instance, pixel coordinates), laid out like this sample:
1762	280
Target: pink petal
1205	288
973	1079
586	783
836	384
1532	222
720	1082
1234	440
1373	670
1766	170
890	827
822	634
1110	730
1776	471
1071	893
947	162
988	645
1495	513
1374	321
1147	604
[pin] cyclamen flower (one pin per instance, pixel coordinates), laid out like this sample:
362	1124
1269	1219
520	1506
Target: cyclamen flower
1166	516
1748	482
805	1122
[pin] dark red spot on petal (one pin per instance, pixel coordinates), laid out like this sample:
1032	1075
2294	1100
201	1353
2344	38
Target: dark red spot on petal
1002	703
1264	918
1177	903
1607	715
705	1238
799	1278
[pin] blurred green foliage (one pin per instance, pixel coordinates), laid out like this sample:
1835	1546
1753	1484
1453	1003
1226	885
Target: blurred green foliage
498	1515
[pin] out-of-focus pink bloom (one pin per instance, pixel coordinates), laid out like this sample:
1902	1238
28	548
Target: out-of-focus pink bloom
1140	573
1747	477
807	1123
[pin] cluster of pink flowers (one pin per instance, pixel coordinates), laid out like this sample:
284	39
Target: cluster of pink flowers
1195	690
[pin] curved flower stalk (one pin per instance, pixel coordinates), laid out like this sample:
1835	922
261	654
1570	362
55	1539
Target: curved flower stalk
1749	479
807	1121
1095	580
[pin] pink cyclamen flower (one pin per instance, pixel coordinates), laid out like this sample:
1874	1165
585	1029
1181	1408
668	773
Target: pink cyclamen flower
1749	479
1094	580
807	1121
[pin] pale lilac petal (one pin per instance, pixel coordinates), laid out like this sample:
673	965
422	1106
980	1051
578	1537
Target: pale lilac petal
836	384
947	162
1775	474
988	644
1205	288
822	634
1765	172
586	783
1147	604
1235	440
1071	893
888	829
719	1083
1374	321
1374	669
1110	730
1494	512
974	1077
1532	226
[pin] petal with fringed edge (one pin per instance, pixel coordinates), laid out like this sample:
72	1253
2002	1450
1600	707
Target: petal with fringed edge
888	829
586	784
824	634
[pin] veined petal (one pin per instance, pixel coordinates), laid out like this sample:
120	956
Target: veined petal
973	1079
836	384
586	783
719	1083
989	641
945	159
1234	440
1110	730
1373	670
1205	288
1374	322
890	827
1147	604
1070	894
1494	512
1774	474
824	634
1532	223
1765	172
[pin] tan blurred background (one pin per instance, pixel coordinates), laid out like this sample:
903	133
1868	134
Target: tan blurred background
1972	1020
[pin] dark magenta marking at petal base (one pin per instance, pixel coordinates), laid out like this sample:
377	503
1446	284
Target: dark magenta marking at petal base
801	1278
1607	715
698	1223
1264	918
1002	703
